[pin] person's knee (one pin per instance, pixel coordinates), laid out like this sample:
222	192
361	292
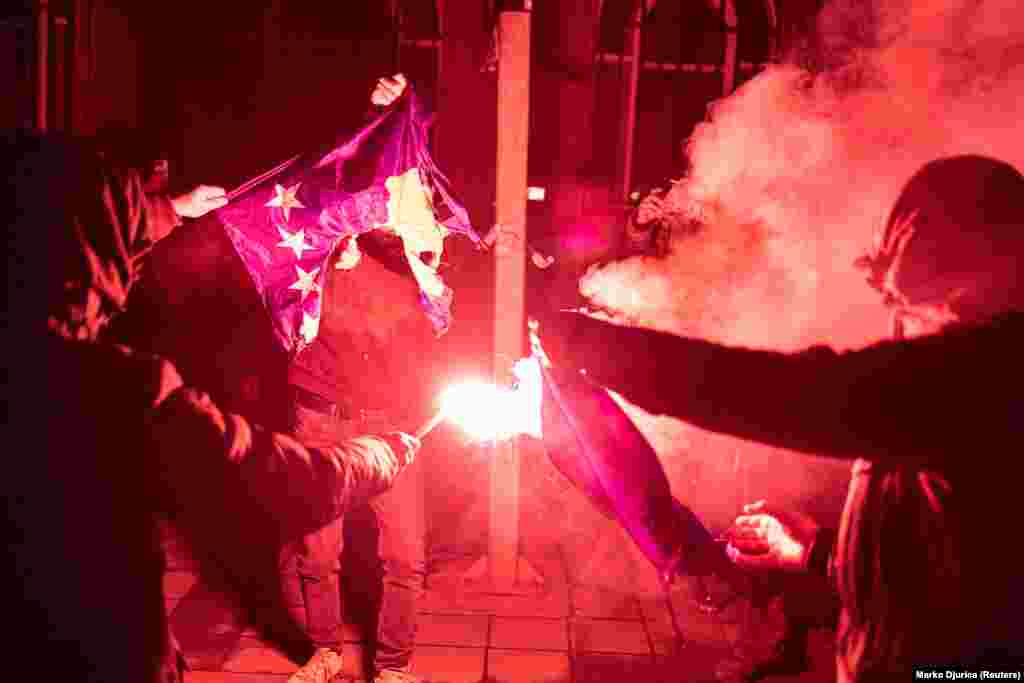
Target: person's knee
404	550
405	569
318	555
316	562
401	541
318	568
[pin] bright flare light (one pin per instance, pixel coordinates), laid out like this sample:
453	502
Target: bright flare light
486	412
478	408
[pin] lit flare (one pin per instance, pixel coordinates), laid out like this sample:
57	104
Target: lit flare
487	412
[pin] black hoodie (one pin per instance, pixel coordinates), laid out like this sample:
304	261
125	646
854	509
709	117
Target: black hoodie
109	439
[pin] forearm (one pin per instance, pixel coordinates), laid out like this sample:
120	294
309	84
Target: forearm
161	217
887	402
362	467
819	556
763	396
198	447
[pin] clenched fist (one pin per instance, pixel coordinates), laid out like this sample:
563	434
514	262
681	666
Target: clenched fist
405	447
764	539
199	201
388	90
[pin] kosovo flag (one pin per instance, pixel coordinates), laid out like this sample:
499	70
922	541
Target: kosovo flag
594	444
286	223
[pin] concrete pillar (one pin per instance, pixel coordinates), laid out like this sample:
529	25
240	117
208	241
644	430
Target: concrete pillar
509	277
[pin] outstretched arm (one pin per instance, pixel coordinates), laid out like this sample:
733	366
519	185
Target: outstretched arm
915	399
200	449
771	539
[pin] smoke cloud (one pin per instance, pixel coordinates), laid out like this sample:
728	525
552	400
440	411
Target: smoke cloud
790	177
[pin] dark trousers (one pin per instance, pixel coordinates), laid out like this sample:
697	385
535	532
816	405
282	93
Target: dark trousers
394	556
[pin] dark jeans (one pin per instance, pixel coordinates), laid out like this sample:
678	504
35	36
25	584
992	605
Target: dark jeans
396	555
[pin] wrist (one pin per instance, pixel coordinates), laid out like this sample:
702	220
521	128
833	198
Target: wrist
819	551
178	204
163	216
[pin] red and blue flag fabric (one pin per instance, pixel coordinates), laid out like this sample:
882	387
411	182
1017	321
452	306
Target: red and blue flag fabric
591	440
285	224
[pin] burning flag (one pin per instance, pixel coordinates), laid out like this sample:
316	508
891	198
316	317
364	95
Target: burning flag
286	223
594	444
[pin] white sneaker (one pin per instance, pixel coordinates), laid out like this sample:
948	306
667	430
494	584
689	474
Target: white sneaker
321	667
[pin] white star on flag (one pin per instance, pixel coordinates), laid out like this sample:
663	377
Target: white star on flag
310	326
305	283
286	200
294	241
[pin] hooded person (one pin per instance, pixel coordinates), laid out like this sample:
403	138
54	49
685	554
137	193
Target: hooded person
117	438
927	416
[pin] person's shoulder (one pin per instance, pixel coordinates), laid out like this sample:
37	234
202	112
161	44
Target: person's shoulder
1001	325
148	377
996	340
1007	330
1010	319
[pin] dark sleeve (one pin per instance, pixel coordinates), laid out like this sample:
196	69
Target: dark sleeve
161	218
373	111
910	400
820	558
215	463
126	174
417	370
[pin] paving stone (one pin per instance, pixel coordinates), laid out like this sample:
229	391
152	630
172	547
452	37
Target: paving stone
529	633
554	604
609	668
609	635
255	656
695	663
448	664
447	629
524	666
611	631
206	628
695	625
596	601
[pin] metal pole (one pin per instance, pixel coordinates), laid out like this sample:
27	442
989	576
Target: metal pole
438	72
632	87
396	48
59	73
731	44
510	276
42	63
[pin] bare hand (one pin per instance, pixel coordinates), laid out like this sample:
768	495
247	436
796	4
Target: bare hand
650	209
199	201
765	539
405	447
388	90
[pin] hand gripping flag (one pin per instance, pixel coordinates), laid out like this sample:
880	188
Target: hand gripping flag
286	223
594	444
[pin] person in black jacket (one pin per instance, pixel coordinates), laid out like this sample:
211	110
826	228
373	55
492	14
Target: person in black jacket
113	438
932	419
363	372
